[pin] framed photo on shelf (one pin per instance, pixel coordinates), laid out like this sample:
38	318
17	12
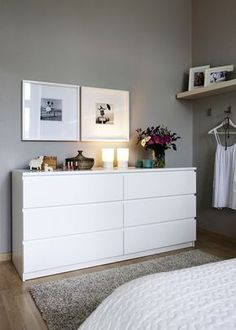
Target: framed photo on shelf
50	111
217	74
197	77
104	114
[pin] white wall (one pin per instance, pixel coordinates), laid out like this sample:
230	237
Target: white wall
214	28
143	46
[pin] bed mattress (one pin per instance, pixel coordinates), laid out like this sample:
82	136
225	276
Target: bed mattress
202	297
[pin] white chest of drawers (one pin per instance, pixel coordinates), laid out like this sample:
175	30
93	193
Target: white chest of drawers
64	221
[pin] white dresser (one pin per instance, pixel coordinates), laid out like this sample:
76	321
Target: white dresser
64	221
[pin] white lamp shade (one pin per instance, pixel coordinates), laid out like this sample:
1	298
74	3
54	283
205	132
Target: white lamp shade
108	157
122	157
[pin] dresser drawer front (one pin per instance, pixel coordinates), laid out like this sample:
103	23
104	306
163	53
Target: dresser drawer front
144	185
71	220
64	251
153	210
68	190
149	237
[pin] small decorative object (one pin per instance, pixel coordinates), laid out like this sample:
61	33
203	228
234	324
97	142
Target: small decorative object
197	77
139	163
108	157
79	162
51	161
147	163
122	157
50	111
218	74
104	114
158	139
47	168
36	163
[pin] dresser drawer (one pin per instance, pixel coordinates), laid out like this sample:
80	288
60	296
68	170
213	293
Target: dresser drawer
70	220
162	209
64	251
149	237
144	185
71	189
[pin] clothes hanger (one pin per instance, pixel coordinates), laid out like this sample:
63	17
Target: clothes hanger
227	121
226	124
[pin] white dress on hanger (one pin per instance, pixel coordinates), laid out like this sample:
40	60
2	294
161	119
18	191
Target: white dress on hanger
224	186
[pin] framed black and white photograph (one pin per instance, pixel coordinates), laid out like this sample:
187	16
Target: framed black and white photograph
197	77
50	111
104	114
217	74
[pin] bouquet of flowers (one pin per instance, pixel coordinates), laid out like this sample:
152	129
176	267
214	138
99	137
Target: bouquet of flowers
157	139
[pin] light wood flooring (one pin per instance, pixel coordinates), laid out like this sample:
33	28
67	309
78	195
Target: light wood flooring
18	311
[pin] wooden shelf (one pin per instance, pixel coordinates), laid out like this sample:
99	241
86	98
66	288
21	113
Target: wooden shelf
214	89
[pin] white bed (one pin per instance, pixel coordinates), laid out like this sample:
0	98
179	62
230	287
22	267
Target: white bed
202	297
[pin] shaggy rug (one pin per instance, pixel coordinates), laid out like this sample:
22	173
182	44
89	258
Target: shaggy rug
65	304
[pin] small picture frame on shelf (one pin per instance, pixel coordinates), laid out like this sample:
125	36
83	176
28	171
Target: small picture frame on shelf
197	77
217	74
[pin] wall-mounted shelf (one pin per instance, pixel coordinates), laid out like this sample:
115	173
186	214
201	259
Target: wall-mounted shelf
214	89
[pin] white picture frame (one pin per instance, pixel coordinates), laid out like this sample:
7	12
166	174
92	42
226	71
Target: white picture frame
104	114
217	74
50	111
197	77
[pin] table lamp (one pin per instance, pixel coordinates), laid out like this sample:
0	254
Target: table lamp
122	157
108	157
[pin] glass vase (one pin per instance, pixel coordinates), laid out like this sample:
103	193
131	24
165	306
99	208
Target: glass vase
158	159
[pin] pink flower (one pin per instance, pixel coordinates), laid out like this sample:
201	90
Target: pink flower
157	139
151	141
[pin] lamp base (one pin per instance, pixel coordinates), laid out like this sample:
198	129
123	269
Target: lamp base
108	165
122	164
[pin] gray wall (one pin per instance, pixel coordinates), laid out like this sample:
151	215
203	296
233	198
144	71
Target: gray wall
143	46
214	43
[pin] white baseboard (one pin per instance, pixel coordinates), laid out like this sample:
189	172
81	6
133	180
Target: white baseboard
5	257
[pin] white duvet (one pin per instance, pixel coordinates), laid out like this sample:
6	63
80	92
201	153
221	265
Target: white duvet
202	297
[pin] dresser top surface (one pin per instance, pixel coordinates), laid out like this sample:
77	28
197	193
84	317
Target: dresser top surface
100	170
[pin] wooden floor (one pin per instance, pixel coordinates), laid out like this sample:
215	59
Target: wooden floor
18	311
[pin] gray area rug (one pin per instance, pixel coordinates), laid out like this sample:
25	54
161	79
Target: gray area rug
65	304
